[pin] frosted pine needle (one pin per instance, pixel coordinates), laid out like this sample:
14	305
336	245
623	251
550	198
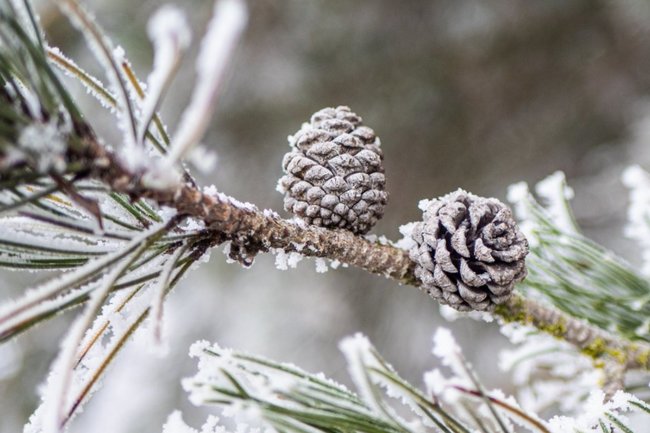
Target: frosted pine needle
217	46
110	58
170	35
637	181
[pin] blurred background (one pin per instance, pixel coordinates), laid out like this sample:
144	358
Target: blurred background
463	93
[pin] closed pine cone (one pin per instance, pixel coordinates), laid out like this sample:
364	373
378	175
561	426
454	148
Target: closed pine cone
470	252
334	173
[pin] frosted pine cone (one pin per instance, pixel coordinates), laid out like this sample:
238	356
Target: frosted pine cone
469	252
334	173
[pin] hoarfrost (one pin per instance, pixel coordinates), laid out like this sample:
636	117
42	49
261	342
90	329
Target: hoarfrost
212	191
281	260
371	237
269	213
547	371
45	144
594	409
284	260
26	233
218	44
279	188
556	193
451	314
170	35
93	86
406	242
638	212
357	351
519	196
175	424
62	383
158	296
424	204
110	59
445	347
321	265
204	159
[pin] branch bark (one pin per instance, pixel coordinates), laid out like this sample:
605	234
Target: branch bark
253	231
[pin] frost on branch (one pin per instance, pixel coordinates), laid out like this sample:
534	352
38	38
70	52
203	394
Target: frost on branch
285	398
575	274
110	59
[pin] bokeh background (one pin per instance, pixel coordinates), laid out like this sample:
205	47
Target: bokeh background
463	93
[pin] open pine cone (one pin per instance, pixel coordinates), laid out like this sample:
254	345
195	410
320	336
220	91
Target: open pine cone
469	252
334	173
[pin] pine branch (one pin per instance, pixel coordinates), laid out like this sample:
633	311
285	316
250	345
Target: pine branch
253	231
289	399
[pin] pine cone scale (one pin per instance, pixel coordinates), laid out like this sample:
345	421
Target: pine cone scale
337	163
469	252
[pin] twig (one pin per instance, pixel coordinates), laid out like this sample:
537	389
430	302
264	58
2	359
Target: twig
614	379
259	231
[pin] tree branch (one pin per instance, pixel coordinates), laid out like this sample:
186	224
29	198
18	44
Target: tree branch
253	231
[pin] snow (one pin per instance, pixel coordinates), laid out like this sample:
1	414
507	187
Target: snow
218	44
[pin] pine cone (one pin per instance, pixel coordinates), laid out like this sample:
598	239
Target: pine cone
334	173
470	252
